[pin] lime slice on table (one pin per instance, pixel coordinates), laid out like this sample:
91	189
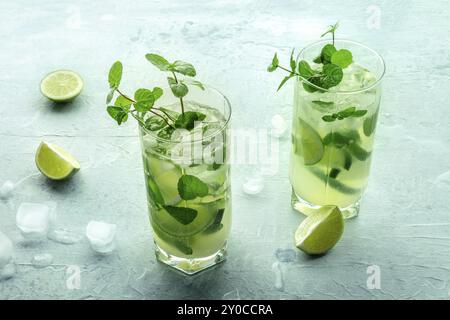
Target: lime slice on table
320	231
54	162
308	143
61	85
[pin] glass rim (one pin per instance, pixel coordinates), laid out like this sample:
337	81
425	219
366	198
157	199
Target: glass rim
215	133
375	53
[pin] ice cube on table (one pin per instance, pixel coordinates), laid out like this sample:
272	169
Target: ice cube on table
101	236
42	260
7	271
278	126
64	236
6	250
7	266
6	190
33	220
253	184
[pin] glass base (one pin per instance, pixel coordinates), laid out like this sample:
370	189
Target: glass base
191	266
307	208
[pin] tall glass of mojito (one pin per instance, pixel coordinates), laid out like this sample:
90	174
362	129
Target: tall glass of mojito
336	106
187	176
183	131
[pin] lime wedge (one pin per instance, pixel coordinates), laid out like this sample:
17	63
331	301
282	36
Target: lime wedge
61	85
308	144
320	231
54	162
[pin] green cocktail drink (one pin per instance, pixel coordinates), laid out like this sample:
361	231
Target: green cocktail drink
183	132
190	232
333	132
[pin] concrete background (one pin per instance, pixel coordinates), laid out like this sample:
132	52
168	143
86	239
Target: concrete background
404	224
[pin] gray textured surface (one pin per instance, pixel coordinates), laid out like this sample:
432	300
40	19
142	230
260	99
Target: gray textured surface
404	224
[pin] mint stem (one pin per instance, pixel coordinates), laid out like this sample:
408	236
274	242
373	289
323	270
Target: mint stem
125	96
138	118
181	99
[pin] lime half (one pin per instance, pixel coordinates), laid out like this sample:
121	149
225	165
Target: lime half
308	143
320	231
54	162
61	85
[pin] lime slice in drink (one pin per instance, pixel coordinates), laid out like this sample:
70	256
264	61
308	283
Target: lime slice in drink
54	162
61	85
206	214
320	231
308	144
167	182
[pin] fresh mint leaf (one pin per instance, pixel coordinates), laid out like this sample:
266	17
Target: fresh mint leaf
115	75
187	120
342	58
183	215
217	223
318	59
359	113
327	52
341	139
348	112
157	93
122	117
332	76
118	114
184	68
292	62
305	70
334	173
309	88
144	100
323	103
284	81
191	187
158	61
328	118
179	90
113	111
274	65
143	95
123	102
347	160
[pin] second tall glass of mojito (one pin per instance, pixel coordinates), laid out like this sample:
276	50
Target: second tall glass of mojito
187	176
330	160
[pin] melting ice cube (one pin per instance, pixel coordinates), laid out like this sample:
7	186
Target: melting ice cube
33	220
101	236
8	271
278	126
253	184
64	236
6	189
7	266
6	250
42	260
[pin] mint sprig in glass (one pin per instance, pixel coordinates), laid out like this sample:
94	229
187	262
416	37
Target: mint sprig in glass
183	128
337	94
